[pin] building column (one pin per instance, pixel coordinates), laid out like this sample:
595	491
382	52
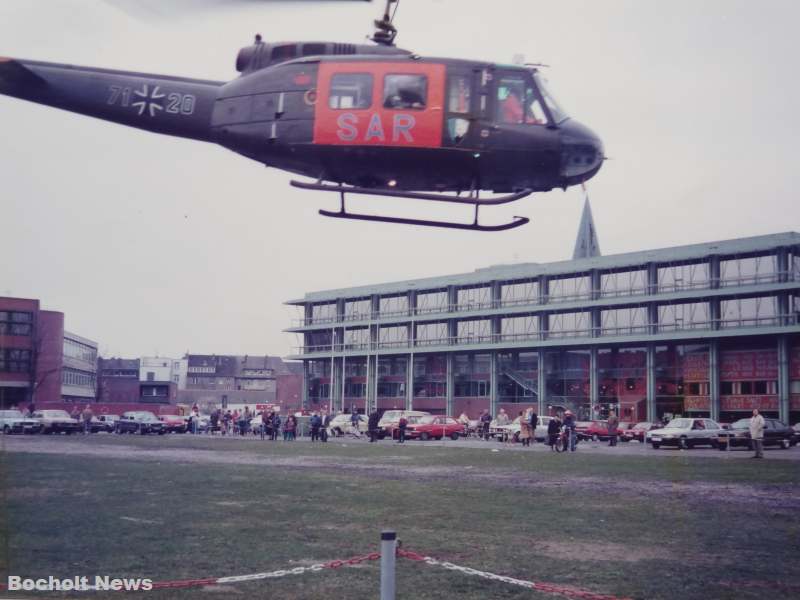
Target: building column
450	383
493	382
452	324
650	402
714	303
410	383
541	387
594	396
496	320
713	379
544	318
374	338
304	388
784	394
337	385
652	308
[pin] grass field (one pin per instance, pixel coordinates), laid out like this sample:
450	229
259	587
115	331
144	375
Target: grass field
180	508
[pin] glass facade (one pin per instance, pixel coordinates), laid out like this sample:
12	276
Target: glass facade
430	383
564	289
748	376
623	283
674	278
748	270
567	381
355	384
471	381
518	377
622	383
318	382
682	380
392	377
520	292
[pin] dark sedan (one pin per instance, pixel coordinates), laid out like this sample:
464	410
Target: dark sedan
142	422
775	434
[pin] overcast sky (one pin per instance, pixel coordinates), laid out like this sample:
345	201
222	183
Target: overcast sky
151	244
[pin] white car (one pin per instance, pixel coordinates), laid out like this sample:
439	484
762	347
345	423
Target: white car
511	431
57	421
685	432
340	424
13	421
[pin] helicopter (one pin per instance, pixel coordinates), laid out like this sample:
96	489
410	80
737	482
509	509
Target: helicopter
355	119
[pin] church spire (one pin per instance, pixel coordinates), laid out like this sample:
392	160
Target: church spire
586	244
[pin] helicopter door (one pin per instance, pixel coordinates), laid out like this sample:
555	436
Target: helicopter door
519	138
459	129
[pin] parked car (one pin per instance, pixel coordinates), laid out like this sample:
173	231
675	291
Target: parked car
99	424
341	424
638	431
581	429
57	421
140	421
110	421
434	427
775	434
685	433
174	423
391	418
597	430
13	421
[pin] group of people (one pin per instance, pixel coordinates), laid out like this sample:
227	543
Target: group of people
84	416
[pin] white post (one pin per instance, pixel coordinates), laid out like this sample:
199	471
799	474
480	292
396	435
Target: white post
388	548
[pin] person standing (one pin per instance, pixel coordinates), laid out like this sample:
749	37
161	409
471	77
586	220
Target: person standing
276	426
326	421
315	422
372	426
87	415
524	429
265	421
613	426
569	427
757	433
485	420
553	427
533	419
401	429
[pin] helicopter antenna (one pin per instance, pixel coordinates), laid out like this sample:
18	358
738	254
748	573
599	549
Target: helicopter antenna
385	31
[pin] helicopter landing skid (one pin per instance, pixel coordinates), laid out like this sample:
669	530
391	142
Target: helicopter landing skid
472	199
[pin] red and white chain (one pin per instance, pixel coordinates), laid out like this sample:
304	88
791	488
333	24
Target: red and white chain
568	591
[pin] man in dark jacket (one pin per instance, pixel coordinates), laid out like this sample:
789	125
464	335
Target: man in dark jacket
401	428
372	426
534	423
569	427
553	427
326	421
316	423
485	421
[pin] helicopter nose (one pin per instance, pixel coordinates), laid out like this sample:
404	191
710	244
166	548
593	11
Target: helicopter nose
582	153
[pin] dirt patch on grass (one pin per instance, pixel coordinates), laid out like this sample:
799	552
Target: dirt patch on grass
607	551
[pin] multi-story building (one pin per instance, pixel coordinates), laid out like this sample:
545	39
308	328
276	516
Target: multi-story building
118	380
31	353
159	368
79	370
222	380
707	329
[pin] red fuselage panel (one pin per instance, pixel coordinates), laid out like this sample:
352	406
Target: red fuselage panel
378	123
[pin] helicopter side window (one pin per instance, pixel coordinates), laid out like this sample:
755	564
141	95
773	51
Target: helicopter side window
517	103
284	52
458	94
405	92
350	90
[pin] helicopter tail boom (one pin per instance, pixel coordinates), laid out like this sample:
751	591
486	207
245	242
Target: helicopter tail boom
169	105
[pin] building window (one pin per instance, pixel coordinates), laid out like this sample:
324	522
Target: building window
474	331
518	377
520	328
569	324
431	302
521	292
14	360
357	310
623	283
624	321
679	277
567	382
16	323
394	305
393	337
749	312
682	380
474	298
431	333
690	315
622	383
567	289
748	270
356	339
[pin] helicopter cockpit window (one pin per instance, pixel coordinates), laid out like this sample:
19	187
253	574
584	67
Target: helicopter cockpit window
350	90
405	92
559	114
517	103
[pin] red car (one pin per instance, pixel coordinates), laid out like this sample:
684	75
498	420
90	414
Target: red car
434	427
597	430
174	423
638	431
